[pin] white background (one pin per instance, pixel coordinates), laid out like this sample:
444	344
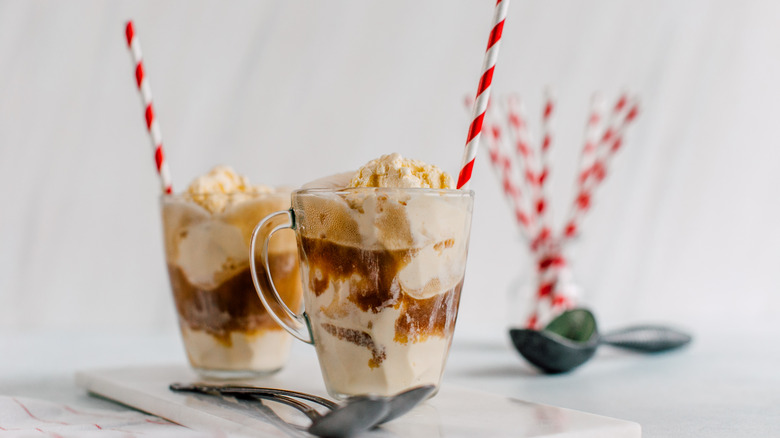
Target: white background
683	231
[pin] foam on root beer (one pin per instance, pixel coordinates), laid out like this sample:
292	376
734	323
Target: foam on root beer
207	231
385	321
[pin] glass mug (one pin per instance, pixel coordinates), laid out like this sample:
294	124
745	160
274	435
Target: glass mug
226	331
382	272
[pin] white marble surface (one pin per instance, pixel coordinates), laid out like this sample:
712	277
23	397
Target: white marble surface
721	386
455	412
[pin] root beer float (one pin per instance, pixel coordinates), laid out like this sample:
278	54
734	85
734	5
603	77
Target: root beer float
226	331
383	254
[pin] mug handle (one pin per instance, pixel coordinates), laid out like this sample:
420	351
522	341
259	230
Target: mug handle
297	325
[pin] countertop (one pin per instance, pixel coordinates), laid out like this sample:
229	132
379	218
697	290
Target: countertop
719	386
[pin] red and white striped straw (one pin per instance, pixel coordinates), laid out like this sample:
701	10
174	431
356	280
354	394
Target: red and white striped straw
542	203
524	152
623	114
552	294
483	94
152	125
593	129
504	165
518	126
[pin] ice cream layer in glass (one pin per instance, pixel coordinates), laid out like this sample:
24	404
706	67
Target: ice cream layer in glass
227	333
383	254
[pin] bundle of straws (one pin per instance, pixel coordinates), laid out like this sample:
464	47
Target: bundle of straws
523	170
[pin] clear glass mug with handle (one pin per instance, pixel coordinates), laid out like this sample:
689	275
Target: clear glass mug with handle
382	272
226	331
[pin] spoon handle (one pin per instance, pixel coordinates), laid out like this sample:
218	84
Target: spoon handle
255	395
289	401
646	338
233	390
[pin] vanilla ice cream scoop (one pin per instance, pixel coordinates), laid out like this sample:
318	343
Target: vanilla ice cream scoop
215	217
223	180
393	170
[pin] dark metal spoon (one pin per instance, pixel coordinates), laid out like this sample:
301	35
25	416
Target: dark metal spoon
404	402
354	415
572	338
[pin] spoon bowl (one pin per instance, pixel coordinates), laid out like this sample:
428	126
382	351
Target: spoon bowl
363	412
404	402
357	414
551	352
567	342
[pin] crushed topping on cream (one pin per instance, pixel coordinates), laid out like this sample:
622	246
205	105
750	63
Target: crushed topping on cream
222	187
393	170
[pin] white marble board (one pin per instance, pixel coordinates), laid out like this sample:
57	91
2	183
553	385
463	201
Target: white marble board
454	412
